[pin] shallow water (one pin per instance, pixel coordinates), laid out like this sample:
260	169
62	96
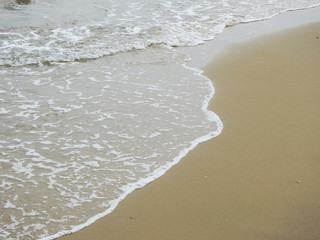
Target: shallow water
97	101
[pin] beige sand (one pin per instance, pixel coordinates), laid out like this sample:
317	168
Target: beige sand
260	179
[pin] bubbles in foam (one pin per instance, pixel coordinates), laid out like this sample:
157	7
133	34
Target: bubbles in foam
80	131
107	27
71	139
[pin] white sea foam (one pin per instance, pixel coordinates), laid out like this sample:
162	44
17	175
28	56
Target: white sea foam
133	25
79	131
58	143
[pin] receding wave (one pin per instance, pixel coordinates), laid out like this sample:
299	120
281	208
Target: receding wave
84	118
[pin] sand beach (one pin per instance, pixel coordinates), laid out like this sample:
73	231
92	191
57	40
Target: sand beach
259	179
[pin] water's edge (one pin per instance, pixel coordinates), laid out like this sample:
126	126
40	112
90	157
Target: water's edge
197	62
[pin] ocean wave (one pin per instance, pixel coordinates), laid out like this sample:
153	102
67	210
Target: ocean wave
124	28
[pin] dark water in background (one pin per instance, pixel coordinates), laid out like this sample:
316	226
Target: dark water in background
96	102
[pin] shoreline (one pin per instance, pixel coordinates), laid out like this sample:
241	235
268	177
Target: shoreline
129	216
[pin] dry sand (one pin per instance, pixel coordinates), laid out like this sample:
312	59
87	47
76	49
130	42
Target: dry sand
260	179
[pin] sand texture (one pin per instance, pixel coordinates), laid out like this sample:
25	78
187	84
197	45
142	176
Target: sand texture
260	179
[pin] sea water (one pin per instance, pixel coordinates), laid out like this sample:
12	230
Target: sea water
96	101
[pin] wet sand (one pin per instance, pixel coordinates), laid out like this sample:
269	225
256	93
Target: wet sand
260	179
